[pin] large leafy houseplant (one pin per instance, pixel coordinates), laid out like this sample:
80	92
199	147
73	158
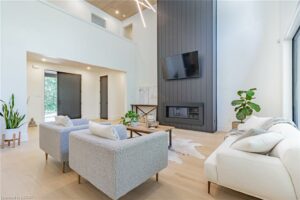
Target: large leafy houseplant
244	106
13	119
130	118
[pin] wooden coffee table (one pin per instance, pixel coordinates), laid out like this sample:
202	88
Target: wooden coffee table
141	128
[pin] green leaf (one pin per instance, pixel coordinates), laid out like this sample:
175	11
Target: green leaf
253	89
248	98
240	115
249	111
237	102
240	92
250	93
254	106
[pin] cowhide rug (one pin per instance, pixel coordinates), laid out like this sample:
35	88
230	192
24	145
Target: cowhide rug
184	147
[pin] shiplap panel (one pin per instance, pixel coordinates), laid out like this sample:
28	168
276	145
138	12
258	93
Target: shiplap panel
185	26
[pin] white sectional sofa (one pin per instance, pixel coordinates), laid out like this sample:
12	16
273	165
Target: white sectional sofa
275	176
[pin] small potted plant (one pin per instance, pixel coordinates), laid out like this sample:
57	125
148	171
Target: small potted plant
131	118
13	119
244	106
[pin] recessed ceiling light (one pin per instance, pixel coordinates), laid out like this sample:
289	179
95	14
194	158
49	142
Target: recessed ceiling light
44	59
88	68
124	15
117	12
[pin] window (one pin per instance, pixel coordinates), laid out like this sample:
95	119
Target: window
98	20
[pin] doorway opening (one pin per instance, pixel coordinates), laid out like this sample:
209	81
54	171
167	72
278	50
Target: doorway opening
58	86
103	97
50	95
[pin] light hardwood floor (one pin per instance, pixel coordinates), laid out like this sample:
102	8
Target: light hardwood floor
26	175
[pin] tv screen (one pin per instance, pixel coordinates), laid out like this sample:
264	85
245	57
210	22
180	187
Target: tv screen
181	66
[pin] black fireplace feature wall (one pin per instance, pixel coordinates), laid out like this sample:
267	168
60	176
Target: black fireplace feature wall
187	26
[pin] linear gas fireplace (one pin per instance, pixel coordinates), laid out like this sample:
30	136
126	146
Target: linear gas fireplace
183	112
189	113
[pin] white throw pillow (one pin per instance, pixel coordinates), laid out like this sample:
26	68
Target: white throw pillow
262	143
253	123
105	131
63	121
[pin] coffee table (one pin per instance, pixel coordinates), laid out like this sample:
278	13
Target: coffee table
141	128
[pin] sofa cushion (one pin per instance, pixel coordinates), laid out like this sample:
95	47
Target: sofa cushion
286	130
250	133
121	130
104	131
253	123
262	143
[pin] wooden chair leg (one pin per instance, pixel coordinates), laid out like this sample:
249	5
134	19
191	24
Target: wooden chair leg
64	167
156	177
208	187
14	140
79	181
46	155
2	141
19	139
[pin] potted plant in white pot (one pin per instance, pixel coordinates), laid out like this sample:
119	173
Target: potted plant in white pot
13	119
131	118
244	106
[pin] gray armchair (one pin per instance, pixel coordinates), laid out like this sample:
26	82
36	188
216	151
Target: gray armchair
117	167
54	139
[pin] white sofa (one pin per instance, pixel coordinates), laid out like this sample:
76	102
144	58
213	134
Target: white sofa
274	177
54	139
117	167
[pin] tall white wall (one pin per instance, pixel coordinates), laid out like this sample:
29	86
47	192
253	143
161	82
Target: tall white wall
1	122
90	90
36	27
146	43
290	21
248	55
83	10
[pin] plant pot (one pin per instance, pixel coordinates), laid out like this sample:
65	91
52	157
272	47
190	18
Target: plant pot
9	133
134	124
236	124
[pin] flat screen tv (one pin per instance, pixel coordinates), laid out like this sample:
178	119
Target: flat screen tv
181	66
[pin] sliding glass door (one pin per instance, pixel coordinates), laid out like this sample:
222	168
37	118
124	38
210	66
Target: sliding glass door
296	78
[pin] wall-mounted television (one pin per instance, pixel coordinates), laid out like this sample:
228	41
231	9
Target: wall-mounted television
181	66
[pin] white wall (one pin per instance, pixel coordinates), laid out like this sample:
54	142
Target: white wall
290	21
48	31
83	10
146	43
90	90
248	55
117	94
1	121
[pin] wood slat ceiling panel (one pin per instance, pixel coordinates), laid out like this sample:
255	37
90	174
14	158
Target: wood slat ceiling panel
126	8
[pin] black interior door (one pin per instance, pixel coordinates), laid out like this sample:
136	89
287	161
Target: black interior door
69	95
103	97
